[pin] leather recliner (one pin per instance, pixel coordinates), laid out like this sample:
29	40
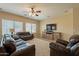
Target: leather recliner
65	48
17	48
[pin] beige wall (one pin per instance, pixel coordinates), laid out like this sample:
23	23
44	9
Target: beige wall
64	24
76	20
9	16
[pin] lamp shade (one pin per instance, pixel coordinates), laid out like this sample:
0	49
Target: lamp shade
12	30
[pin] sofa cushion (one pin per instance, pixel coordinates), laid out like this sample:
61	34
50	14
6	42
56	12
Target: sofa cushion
63	42
27	33
75	37
23	33
57	46
15	37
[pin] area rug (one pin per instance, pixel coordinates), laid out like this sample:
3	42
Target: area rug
42	46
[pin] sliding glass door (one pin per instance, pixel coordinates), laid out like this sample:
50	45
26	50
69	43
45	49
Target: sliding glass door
30	27
6	26
18	26
9	24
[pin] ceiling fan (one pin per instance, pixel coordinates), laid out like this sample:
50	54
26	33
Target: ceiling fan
34	12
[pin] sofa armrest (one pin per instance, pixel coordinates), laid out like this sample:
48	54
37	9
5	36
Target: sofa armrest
64	42
3	52
58	49
76	52
28	51
57	46
32	35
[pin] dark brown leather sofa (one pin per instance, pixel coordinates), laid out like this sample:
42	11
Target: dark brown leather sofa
65	48
17	48
25	35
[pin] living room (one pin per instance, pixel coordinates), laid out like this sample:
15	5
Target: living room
38	26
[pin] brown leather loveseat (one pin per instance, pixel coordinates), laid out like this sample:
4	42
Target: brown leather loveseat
25	35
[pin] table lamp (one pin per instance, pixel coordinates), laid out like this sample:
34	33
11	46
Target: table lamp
12	30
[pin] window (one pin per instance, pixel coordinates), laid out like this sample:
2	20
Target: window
31	28
8	24
18	26
28	28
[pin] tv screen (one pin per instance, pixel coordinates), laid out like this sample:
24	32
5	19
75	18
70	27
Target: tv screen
50	27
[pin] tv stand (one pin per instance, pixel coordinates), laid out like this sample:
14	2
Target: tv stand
51	35
49	32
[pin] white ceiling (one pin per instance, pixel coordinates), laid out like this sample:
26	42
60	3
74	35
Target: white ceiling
48	10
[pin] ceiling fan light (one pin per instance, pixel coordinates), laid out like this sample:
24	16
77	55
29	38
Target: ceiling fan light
38	11
37	15
33	14
30	14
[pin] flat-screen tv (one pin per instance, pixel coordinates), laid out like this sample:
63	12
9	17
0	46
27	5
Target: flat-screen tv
50	27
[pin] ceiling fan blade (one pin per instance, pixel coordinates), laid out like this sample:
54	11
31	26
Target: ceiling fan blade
36	14
32	10
38	11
